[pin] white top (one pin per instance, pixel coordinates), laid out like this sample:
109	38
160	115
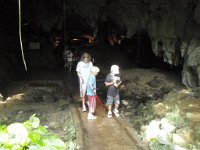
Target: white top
84	69
67	54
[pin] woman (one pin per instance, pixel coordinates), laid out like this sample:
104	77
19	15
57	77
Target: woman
83	71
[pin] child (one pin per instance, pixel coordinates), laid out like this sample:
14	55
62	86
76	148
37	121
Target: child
113	81
91	92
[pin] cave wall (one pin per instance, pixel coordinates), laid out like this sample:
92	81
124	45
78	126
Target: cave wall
11	65
173	25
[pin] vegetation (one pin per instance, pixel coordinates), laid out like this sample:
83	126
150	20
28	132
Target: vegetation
29	135
197	135
155	145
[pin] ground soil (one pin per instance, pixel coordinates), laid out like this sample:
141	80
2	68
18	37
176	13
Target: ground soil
61	87
45	98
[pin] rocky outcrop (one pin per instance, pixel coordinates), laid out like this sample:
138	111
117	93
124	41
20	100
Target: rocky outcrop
163	112
173	26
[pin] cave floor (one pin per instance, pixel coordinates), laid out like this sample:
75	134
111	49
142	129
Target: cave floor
102	133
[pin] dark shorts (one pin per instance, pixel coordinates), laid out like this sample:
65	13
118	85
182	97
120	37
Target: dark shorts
111	99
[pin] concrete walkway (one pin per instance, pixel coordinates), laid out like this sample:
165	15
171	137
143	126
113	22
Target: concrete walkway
100	134
103	133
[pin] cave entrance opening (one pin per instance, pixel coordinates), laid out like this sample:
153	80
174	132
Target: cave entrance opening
143	54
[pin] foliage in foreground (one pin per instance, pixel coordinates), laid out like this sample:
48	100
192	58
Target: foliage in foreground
28	135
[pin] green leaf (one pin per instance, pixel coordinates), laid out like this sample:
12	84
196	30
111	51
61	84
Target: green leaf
35	121
2	127
18	130
58	142
34	147
28	124
34	137
10	143
47	142
4	136
17	147
4	148
24	142
41	143
32	123
49	148
29	135
55	142
41	130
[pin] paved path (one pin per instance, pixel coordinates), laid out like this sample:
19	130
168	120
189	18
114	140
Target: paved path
100	134
103	133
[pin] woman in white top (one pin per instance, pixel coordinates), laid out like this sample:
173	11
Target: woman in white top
83	69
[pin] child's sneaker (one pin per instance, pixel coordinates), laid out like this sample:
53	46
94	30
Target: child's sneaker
91	117
116	112
83	108
109	114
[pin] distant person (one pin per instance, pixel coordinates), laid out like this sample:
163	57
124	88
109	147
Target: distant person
75	56
113	81
57	48
91	92
83	69
68	59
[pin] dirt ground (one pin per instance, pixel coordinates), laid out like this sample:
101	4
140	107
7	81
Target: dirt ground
154	95
148	94
46	99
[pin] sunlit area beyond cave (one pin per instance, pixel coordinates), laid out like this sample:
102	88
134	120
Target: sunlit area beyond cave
100	75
